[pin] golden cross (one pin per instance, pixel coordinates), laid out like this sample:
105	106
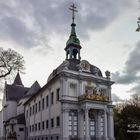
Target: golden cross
73	9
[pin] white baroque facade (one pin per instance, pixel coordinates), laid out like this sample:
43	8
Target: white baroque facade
75	103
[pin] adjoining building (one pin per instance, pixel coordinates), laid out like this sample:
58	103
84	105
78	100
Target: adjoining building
12	116
75	103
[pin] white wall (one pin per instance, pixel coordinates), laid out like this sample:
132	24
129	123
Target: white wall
47	113
11	110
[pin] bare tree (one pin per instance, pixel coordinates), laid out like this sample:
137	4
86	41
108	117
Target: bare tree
135	100
10	62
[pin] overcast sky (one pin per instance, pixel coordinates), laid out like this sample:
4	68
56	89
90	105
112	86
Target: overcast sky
39	29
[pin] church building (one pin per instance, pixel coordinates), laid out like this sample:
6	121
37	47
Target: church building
75	103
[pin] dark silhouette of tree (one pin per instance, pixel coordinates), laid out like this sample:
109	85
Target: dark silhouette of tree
127	120
10	62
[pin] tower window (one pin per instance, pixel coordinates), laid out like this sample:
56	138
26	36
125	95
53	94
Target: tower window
74	53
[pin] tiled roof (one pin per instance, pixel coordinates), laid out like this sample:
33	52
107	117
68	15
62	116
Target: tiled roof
34	88
17	80
17	91
14	92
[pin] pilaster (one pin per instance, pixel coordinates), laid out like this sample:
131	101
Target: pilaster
80	125
105	125
65	127
87	136
98	132
110	125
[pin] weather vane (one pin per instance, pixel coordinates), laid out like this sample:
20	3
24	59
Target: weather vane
73	9
138	22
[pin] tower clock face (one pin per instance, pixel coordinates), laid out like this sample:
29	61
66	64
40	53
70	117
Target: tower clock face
85	65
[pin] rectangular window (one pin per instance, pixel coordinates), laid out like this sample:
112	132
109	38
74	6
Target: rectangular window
57	137
57	94
52	122
47	101
73	89
47	124
21	129
43	125
32	128
39	106
57	121
73	127
36	107
52	95
35	127
43	103
92	127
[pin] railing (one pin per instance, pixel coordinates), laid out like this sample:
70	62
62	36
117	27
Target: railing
94	97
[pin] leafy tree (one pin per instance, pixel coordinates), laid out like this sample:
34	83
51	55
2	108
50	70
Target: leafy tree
10	62
127	120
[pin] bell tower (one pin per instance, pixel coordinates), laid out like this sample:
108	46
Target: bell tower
73	44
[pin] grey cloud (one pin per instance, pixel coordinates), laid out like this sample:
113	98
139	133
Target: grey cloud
126	78
133	63
48	16
13	28
115	98
136	89
130	74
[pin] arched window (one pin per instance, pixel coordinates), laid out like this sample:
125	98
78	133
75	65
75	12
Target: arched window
68	54
74	53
